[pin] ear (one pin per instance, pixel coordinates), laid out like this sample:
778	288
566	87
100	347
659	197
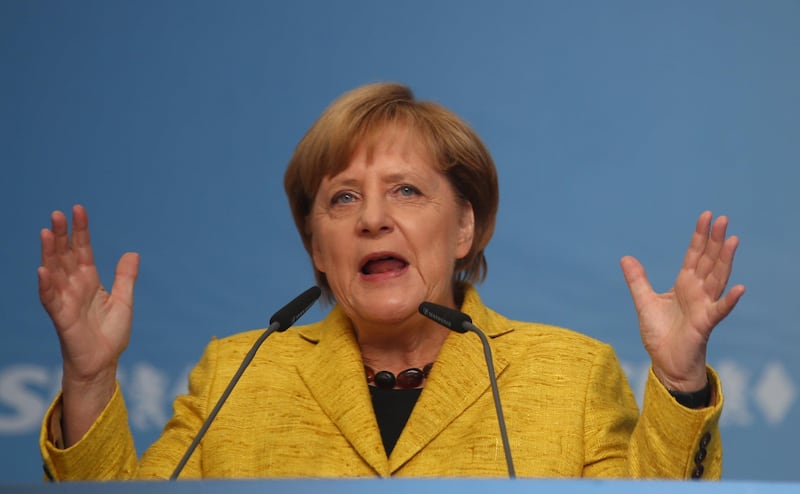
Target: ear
466	230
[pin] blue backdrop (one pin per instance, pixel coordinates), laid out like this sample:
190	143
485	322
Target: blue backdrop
613	125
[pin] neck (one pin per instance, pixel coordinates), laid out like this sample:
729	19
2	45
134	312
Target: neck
398	347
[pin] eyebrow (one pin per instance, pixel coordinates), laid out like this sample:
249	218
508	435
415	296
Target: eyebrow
390	178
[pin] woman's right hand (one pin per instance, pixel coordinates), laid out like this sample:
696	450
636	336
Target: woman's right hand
93	325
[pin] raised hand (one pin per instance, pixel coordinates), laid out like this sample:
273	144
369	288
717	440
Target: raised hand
675	326
93	325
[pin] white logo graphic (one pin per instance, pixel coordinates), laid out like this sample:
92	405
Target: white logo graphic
775	393
735	386
26	390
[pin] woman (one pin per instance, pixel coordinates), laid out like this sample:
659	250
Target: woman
395	201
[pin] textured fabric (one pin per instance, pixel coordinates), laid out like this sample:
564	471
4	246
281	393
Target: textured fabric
303	409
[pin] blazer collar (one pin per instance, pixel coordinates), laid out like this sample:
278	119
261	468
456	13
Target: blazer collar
333	371
458	378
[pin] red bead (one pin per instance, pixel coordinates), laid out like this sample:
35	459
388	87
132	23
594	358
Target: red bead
410	378
370	374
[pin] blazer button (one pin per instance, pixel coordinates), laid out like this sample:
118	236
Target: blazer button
700	456
698	472
705	440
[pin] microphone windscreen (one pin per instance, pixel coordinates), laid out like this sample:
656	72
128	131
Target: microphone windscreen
447	317
291	312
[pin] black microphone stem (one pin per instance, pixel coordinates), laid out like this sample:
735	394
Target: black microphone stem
501	421
280	321
211	416
461	323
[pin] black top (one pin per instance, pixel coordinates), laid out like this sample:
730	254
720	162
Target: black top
392	409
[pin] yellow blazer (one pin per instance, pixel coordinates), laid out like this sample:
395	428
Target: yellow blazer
303	409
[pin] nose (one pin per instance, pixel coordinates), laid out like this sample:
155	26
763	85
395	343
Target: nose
375	217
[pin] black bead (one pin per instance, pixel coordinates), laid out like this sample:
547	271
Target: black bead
408	379
384	379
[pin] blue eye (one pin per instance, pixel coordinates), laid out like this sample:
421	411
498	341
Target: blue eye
343	198
408	190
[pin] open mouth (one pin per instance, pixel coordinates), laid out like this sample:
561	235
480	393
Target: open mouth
383	264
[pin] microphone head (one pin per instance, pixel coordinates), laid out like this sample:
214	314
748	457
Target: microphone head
447	317
291	312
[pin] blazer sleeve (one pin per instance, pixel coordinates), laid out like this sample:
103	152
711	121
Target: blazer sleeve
666	441
671	440
106	451
189	413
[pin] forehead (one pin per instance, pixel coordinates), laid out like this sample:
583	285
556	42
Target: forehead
409	146
407	142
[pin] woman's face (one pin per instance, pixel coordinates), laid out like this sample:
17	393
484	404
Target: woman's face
387	231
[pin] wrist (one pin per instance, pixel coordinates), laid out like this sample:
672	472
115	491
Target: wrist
687	383
83	402
99	382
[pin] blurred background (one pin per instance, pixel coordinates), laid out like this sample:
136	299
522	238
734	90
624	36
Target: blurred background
613	125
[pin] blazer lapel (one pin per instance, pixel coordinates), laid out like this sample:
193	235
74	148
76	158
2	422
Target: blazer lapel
459	377
333	370
334	373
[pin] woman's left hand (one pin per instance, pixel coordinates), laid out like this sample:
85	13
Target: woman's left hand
675	325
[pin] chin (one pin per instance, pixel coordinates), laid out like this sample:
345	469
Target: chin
393	307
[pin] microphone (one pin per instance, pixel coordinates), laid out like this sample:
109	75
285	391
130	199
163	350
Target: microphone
280	321
461	323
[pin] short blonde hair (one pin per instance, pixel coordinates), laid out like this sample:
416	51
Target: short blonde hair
357	116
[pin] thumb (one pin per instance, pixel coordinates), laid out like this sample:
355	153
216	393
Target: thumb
125	276
636	278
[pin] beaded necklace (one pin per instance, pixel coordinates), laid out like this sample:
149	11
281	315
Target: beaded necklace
408	379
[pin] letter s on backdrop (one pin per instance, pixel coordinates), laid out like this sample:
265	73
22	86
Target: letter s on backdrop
22	405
